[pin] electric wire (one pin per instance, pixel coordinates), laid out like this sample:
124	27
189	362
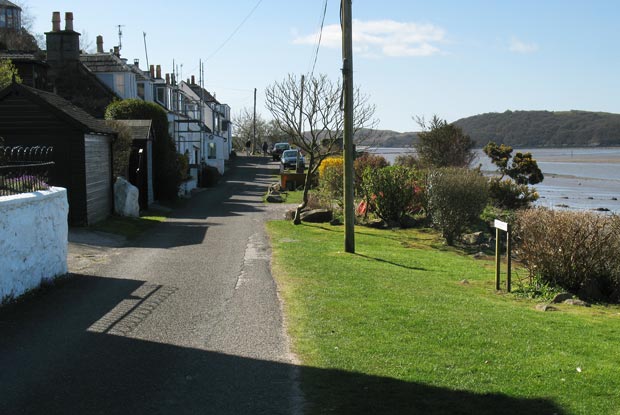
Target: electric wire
234	32
316	53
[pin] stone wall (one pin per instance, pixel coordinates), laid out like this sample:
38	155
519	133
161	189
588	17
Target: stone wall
33	240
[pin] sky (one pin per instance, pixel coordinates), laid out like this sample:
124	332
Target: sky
412	58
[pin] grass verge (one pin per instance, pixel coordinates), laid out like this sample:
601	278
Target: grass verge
393	329
130	228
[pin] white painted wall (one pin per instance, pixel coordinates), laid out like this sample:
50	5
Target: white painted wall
33	240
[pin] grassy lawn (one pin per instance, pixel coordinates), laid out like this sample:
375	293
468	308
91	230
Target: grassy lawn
392	329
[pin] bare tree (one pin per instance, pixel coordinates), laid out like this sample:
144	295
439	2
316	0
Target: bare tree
309	112
244	128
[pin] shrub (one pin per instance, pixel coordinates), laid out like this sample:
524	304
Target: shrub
331	182
121	148
393	192
361	163
506	194
167	171
456	198
408	160
577	251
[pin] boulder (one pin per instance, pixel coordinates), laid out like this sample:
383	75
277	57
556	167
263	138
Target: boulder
475	238
561	297
576	301
546	307
126	198
317	216
275	198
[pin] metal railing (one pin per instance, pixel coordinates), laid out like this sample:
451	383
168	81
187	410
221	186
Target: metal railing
25	169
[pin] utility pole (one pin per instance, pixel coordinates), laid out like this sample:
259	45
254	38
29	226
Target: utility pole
254	124
347	73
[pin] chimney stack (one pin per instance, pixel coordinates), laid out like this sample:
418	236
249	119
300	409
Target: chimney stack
167	79
99	44
152	71
56	22
136	63
158	72
173	79
117	51
193	80
69	21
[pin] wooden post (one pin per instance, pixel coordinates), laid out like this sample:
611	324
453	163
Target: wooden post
347	71
497	259
508	261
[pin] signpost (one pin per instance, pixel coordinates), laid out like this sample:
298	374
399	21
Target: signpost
502	226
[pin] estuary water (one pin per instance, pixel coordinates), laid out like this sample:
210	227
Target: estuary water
575	178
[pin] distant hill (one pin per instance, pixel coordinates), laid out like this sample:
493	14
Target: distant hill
544	128
385	138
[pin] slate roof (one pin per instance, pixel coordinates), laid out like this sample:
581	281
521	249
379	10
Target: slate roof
206	95
140	129
104	62
62	107
7	3
15	56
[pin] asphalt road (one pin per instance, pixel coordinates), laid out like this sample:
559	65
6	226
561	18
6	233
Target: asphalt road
184	320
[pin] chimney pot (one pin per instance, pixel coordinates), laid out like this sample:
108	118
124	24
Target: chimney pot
167	79
158	72
193	80
99	44
152	71
69	21
136	63
56	22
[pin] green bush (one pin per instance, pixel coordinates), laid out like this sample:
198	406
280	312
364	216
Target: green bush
121	148
393	192
361	163
456	198
577	251
506	194
408	160
167	172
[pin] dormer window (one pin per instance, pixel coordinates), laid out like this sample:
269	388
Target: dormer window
10	16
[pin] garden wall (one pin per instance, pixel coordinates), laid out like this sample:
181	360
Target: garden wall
33	240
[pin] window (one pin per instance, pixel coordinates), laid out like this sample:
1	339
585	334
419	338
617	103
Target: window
119	84
212	151
141	90
161	95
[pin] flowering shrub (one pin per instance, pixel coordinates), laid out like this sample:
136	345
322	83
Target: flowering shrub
331	181
393	192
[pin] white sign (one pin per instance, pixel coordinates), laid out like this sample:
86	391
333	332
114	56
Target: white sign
501	225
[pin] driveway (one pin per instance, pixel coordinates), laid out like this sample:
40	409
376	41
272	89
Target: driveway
184	320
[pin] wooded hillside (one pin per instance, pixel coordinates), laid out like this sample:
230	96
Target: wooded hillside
544	128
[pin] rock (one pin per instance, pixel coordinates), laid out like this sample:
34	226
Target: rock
290	214
274	198
479	255
601	209
126	198
576	301
317	216
475	238
407	222
464	282
561	297
614	198
377	223
335	222
546	307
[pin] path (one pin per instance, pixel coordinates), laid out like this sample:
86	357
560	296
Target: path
185	320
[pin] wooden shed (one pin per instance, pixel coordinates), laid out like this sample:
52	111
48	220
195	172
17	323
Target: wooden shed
82	147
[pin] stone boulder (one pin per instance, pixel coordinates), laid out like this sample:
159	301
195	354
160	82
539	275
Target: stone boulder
577	302
275	198
561	297
475	238
317	216
126	198
545	307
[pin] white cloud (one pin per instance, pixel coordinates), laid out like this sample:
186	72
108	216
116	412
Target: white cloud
519	46
383	38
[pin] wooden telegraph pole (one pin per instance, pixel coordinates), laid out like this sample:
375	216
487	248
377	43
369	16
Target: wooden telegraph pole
347	73
254	125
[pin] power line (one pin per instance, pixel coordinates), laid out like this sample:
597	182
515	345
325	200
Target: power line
235	31
318	45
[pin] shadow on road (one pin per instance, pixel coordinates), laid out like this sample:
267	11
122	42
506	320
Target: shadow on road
71	351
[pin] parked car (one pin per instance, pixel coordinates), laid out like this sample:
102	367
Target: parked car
278	148
289	160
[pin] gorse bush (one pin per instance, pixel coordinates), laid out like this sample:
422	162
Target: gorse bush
393	192
578	251
456	198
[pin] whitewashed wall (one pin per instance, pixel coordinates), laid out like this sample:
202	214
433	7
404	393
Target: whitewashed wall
33	240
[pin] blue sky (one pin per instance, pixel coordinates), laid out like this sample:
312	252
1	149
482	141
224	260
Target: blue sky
413	57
